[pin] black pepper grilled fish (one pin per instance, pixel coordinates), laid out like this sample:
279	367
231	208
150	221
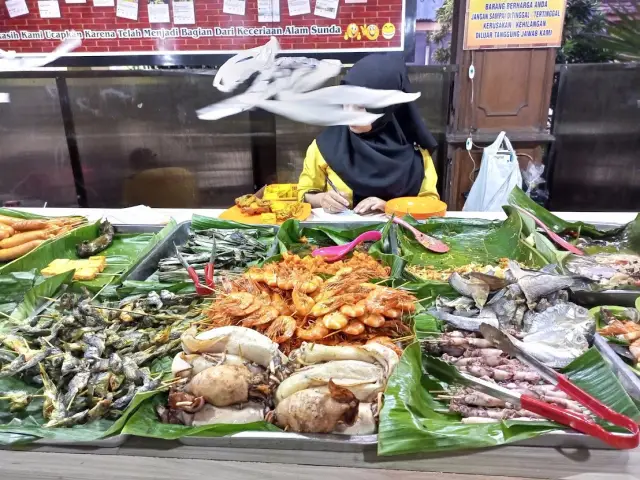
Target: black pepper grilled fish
88	249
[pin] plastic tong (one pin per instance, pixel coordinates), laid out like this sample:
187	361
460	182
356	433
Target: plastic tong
207	288
335	253
571	419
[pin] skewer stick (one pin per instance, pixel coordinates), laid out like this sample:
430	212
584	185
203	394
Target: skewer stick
102	289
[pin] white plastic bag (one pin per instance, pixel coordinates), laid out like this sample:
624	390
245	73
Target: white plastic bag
499	173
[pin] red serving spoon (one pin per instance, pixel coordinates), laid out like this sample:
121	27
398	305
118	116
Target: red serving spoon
338	252
554	236
423	239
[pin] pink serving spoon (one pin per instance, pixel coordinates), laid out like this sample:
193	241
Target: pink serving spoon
338	252
554	236
423	239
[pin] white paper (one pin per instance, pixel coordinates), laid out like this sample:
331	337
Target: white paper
104	3
127	9
138	215
183	12
355	1
319	215
5	98
299	7
49	8
268	10
158	11
17	8
234	7
75	1
326	8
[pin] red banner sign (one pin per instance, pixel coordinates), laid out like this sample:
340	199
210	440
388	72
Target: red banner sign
157	27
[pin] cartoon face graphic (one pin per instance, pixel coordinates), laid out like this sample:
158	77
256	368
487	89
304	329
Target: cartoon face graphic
388	31
352	32
371	31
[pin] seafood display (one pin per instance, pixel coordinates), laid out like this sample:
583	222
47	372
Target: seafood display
608	270
334	389
236	375
306	344
290	302
90	359
235	251
18	236
428	272
472	354
531	305
225	375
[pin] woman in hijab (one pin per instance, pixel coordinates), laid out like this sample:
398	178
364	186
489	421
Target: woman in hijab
371	164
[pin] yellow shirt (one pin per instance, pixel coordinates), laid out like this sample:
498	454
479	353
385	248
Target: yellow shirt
316	171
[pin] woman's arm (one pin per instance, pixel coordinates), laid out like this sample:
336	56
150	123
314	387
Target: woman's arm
428	187
312	183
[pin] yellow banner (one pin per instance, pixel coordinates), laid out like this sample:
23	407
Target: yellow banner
513	24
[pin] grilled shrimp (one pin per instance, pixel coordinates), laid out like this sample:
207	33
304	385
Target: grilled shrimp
280	304
303	303
334	321
263	316
374	320
315	332
282	329
354	311
354	328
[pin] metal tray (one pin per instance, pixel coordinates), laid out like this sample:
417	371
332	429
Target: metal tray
179	236
360	443
629	380
287	441
111	442
137	228
621	298
567	439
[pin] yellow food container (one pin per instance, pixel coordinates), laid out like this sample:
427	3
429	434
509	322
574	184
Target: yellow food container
281	191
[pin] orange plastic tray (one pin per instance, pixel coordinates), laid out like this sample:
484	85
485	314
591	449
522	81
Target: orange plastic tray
419	208
236	215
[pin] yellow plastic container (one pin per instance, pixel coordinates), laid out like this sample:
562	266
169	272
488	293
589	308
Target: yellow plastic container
282	192
419	208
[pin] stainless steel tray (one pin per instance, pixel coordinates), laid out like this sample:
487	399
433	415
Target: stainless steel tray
344	443
622	298
287	441
629	380
137	228
562	439
179	236
111	442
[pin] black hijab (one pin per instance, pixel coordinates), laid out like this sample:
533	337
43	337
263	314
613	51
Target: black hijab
384	162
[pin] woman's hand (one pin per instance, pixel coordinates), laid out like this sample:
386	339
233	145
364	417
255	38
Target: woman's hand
370	205
331	202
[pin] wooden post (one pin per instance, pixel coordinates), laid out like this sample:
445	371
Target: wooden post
510	91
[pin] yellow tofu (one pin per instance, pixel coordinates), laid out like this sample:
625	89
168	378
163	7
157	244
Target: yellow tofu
268	218
85	274
85	269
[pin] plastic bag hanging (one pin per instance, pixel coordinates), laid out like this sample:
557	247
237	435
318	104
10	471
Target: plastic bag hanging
499	173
